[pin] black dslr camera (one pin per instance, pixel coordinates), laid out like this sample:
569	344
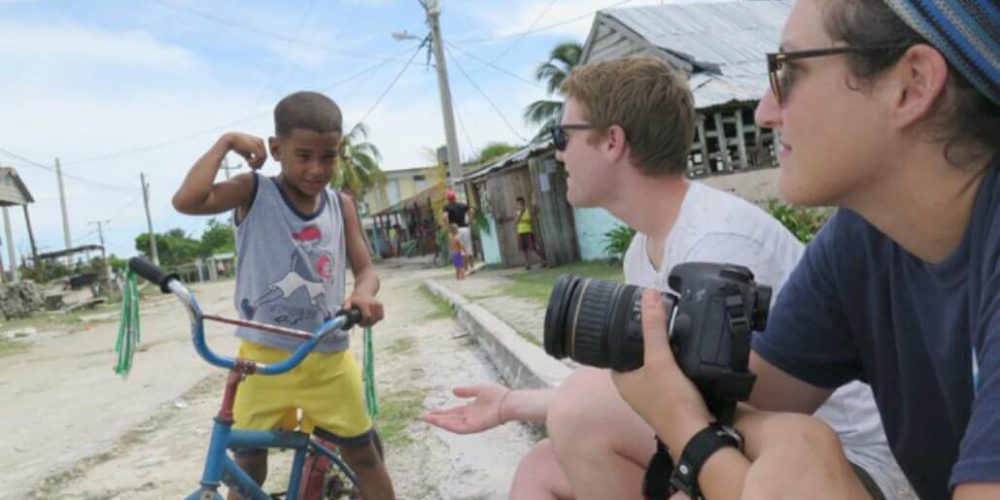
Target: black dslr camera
712	312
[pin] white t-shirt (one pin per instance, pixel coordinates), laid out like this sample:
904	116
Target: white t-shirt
715	226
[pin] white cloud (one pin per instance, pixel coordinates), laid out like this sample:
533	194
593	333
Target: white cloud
72	44
90	91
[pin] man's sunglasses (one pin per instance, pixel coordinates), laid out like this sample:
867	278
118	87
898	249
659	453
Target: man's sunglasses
559	138
780	76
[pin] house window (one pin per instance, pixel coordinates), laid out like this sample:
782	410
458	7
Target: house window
392	187
420	182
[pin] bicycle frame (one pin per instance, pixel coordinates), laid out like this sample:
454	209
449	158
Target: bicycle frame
219	467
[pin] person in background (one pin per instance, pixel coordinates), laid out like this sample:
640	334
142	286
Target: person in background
457	249
525	226
460	214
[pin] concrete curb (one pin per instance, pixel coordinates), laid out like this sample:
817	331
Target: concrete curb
523	365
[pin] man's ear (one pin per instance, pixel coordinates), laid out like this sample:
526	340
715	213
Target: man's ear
617	143
920	78
275	145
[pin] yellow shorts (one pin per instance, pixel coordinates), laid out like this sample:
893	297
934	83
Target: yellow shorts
327	387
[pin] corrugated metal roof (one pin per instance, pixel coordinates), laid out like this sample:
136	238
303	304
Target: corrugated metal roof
513	158
726	42
25	195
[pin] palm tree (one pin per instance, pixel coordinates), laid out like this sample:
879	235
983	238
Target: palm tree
563	58
359	163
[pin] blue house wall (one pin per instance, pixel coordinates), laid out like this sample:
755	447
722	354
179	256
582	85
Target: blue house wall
591	225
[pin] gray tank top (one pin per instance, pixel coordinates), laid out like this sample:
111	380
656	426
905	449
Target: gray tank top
291	267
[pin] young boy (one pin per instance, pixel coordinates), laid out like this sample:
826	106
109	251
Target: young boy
294	239
457	251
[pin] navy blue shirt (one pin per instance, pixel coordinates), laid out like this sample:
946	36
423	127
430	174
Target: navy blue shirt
859	306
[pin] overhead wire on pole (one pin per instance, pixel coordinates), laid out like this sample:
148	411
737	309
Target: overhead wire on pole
544	28
33	163
392	83
461	124
490	101
494	66
126	207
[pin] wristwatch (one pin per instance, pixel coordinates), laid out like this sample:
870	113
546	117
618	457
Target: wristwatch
706	442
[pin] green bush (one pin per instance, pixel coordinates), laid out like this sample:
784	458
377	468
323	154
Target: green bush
803	222
617	240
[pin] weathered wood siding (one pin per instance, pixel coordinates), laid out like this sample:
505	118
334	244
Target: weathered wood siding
558	228
503	189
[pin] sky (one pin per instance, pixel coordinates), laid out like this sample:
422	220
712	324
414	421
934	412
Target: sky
119	88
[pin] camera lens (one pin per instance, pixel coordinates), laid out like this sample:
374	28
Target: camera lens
588	320
557	315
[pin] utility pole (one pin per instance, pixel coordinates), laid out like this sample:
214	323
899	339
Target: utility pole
227	168
433	8
36	265
65	217
149	221
104	256
12	257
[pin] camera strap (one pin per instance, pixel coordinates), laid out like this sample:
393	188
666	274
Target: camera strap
739	325
656	484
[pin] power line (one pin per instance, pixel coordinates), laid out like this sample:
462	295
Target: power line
33	163
260	31
494	66
29	161
278	70
524	34
139	149
348	20
490	101
544	28
465	131
392	83
194	135
126	207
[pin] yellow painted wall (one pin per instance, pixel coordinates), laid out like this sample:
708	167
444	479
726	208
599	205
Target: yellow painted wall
379	199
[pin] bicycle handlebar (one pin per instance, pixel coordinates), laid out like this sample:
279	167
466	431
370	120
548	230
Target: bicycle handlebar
151	273
171	283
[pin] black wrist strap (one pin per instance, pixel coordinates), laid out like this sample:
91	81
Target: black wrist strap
702	446
656	483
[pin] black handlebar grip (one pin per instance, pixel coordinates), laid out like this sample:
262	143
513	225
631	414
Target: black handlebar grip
354	317
151	273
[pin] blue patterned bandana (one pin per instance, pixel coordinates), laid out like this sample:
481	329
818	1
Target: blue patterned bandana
967	32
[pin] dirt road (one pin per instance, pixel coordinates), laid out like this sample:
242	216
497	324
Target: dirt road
73	430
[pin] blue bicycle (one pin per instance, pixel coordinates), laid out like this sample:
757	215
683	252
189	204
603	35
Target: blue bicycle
308	478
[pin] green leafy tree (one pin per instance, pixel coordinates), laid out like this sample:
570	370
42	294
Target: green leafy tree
495	150
359	169
117	264
174	247
217	238
563	58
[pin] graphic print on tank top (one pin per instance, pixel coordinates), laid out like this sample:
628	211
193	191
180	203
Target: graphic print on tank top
311	267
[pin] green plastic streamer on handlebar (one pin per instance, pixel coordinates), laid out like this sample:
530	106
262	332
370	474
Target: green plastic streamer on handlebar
128	326
371	399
